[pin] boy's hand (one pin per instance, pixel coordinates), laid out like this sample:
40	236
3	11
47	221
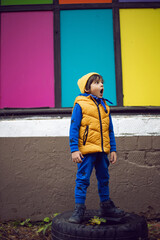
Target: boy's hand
113	157
77	157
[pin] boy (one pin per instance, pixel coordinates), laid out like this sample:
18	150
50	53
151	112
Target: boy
91	140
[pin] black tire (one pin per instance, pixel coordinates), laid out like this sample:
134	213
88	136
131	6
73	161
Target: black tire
130	227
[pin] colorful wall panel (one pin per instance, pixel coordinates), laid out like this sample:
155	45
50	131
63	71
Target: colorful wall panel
27	67
83	1
86	46
23	2
140	40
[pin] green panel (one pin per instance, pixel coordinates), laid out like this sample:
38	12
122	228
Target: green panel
24	2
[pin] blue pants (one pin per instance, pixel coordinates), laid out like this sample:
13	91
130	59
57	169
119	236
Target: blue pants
100	162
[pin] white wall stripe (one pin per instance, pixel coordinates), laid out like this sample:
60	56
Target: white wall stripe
134	125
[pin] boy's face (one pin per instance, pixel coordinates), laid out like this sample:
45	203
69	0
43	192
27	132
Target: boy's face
96	88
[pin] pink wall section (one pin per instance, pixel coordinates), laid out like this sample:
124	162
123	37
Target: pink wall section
27	60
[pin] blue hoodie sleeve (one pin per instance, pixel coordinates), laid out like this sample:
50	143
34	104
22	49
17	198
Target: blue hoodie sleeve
74	128
111	135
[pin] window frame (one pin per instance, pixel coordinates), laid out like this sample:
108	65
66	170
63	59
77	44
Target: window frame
56	8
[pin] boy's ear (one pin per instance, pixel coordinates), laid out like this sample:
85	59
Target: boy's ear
87	91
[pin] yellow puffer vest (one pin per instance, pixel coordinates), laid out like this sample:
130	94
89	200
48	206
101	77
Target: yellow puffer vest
94	129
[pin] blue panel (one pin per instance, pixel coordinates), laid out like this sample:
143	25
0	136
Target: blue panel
86	46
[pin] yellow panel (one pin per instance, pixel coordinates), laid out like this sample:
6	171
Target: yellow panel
140	47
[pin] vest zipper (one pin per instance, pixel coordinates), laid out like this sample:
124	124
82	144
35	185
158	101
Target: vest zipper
85	135
100	124
100	128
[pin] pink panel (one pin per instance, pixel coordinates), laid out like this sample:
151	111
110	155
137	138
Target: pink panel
27	62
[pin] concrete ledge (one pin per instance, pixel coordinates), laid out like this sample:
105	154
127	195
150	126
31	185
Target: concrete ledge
134	125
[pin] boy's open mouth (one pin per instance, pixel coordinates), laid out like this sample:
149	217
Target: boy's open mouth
101	91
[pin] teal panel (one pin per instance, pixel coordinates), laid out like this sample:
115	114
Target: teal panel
86	46
24	2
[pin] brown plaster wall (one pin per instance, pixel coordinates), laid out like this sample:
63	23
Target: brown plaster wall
37	177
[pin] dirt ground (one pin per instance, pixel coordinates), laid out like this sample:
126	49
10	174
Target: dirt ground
15	231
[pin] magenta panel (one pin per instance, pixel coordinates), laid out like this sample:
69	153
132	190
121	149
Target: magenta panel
139	0
27	62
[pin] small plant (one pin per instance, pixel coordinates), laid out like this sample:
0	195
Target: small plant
96	220
16	223
154	230
46	224
42	226
26	223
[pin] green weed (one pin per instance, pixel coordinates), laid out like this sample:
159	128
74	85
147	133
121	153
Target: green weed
46	224
96	220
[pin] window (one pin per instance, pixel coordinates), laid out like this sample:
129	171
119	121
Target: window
86	46
46	46
83	1
140	38
27	67
24	2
